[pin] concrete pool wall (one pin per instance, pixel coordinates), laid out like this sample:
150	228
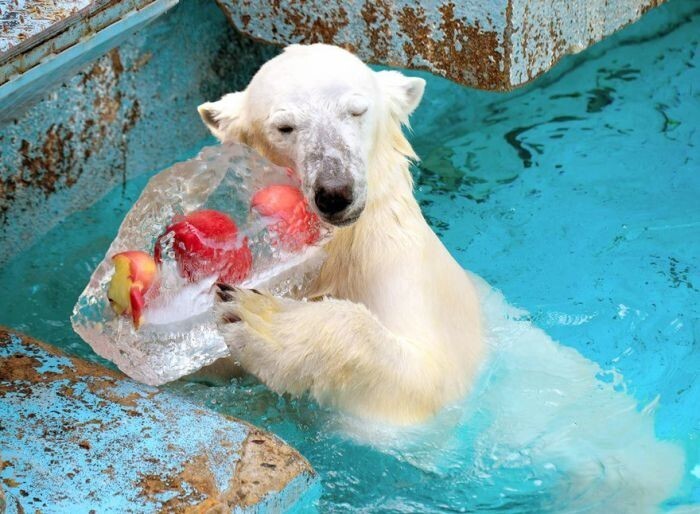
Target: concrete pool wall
494	44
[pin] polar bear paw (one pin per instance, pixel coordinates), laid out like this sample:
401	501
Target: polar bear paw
249	305
247	321
242	314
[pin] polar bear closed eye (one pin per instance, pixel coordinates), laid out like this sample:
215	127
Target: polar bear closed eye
397	334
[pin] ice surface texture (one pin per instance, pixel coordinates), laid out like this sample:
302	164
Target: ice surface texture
179	335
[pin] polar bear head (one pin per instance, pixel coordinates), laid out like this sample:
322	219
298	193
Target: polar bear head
319	110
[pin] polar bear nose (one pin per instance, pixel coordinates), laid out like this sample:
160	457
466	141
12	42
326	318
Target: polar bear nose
333	198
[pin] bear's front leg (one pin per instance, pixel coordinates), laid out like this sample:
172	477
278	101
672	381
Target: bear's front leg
334	349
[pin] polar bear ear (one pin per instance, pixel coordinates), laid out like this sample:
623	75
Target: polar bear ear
404	93
221	116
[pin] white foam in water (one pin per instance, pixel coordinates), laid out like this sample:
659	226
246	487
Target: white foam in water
542	425
179	335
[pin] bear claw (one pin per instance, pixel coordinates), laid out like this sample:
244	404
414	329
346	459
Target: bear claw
230	318
224	296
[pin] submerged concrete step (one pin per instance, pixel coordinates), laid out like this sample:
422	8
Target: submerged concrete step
76	437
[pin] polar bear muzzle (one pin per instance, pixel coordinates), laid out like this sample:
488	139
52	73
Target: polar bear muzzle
332	197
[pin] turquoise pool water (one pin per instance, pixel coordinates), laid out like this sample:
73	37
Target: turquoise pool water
578	197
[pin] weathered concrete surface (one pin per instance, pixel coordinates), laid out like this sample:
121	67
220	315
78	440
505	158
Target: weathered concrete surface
541	31
8	504
489	44
22	20
130	111
68	42
77	437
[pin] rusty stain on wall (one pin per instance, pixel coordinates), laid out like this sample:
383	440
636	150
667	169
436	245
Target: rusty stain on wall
464	51
416	35
491	44
377	29
63	154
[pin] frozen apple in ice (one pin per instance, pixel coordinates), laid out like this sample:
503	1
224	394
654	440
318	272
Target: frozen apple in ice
134	274
294	224
206	243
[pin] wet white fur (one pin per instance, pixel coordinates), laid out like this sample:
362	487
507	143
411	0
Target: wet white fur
397	333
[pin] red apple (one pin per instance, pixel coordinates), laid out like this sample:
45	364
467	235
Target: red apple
295	224
207	243
134	274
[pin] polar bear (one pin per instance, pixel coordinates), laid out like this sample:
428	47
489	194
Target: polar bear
396	332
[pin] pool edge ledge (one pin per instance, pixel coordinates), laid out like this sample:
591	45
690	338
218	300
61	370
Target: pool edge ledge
127	446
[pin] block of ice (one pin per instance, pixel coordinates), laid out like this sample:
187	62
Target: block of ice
178	335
